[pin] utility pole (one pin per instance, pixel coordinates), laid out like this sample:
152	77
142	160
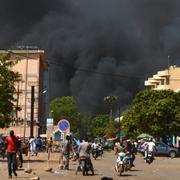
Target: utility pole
119	125
17	101
32	112
25	96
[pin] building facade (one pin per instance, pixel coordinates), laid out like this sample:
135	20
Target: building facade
33	67
166	79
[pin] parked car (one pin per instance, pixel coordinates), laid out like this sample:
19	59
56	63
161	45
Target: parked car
2	147
163	149
168	150
109	145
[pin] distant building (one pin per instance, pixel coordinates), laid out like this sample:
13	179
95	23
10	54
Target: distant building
33	67
166	79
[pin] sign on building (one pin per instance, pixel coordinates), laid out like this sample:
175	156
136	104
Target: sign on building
49	122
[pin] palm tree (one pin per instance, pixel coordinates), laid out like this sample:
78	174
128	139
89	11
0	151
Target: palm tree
110	100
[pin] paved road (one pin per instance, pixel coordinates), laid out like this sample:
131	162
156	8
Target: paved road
163	168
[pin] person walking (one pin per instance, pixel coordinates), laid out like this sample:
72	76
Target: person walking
19	150
49	145
66	152
32	145
11	149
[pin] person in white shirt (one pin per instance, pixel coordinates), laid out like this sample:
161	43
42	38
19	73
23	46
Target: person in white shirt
94	145
151	147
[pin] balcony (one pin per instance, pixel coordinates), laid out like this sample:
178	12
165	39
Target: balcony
151	82
164	73
163	87
158	77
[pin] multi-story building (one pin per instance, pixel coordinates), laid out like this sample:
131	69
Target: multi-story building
166	79
33	67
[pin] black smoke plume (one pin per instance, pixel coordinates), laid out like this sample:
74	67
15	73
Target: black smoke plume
96	47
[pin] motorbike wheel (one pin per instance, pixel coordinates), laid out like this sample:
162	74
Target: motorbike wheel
172	154
94	156
120	169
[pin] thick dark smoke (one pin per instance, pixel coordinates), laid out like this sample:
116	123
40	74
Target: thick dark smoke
96	47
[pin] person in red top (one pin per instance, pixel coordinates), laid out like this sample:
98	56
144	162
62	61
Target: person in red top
11	149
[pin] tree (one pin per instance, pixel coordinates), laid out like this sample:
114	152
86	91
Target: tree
153	112
110	100
65	108
111	125
98	125
8	78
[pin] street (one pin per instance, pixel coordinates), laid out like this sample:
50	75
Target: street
163	168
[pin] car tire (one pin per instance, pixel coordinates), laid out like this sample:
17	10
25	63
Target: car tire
172	154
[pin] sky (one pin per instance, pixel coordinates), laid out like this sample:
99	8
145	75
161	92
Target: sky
96	48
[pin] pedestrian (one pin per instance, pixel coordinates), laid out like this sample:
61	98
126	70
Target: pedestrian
32	146
38	143
66	152
19	150
49	144
11	149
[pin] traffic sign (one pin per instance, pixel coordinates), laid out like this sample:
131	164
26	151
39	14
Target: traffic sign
63	125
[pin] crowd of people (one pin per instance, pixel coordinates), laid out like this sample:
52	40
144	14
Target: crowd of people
79	150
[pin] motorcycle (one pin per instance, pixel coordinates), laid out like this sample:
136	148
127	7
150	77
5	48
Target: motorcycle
128	161
85	165
120	165
100	151
95	153
149	158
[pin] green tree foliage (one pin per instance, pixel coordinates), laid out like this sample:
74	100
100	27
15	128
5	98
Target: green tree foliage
153	112
110	100
98	125
8	78
65	108
84	126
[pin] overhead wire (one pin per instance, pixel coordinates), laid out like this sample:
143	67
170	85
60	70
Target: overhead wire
55	64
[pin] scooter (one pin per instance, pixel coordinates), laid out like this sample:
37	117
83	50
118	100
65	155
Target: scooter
150	157
120	164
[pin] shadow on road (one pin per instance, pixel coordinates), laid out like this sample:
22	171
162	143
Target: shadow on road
127	175
34	160
135	170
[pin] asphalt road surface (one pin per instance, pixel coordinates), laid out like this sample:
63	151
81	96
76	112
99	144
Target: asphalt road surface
163	168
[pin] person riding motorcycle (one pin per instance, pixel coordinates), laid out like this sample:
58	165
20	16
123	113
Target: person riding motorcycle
94	148
84	157
151	147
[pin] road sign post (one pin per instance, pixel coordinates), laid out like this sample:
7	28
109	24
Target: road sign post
64	125
64	128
